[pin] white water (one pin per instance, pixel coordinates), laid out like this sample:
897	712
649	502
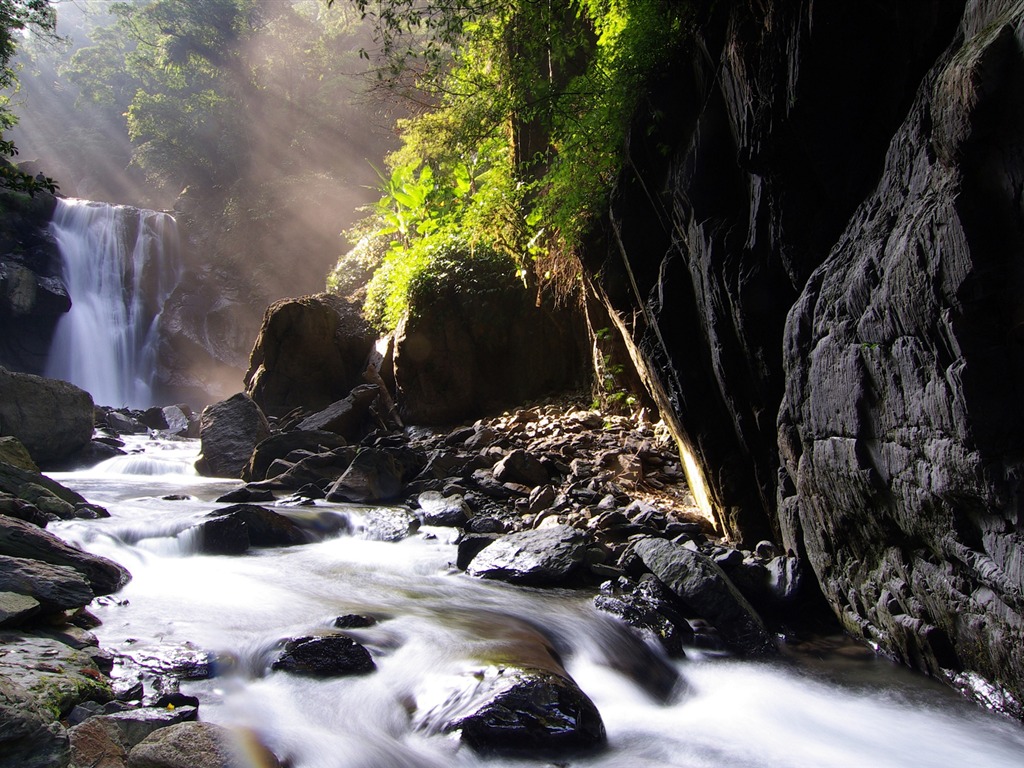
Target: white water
818	710
119	264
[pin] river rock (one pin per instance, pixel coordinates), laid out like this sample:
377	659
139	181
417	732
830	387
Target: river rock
223	536
279	445
309	352
24	540
54	587
16	608
33	486
512	709
229	432
30	737
51	418
135	724
438	509
376	475
651	609
346	417
520	467
14	453
200	745
324	656
97	743
264	527
702	586
544	557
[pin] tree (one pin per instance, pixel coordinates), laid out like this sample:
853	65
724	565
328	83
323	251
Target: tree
18	17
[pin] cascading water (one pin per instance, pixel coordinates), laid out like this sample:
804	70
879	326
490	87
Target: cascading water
828	705
120	264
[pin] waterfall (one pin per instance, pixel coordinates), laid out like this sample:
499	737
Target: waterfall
120	264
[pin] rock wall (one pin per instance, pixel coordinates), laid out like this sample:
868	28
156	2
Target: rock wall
819	282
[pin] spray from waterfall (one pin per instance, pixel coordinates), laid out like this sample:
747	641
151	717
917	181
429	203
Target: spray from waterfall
120	264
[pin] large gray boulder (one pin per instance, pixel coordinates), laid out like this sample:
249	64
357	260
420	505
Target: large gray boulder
54	587
200	745
544	557
311	351
229	432
51	418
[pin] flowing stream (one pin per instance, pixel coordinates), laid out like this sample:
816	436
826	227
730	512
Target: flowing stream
120	264
827	704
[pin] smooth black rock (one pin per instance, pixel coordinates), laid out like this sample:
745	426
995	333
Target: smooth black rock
324	656
263	527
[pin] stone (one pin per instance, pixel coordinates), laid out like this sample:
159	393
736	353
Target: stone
229	432
309	352
521	467
705	589
478	341
200	745
24	540
222	536
279	445
346	417
33	486
97	743
438	509
55	588
324	656
16	608
548	556
30	737
51	418
264	527
649	607
135	724
517	710
470	545
13	452
376	475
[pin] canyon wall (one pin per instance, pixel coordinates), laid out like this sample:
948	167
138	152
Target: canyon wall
815	256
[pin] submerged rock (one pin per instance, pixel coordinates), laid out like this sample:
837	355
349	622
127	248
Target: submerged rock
511	709
324	656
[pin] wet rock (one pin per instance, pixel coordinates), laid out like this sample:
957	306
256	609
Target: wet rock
200	745
54	587
51	418
47	495
354	621
517	710
324	656
470	546
97	743
346	417
135	724
521	467
223	536
263	527
30	737
24	540
651	609
279	445
437	509
702	586
544	557
387	523
229	432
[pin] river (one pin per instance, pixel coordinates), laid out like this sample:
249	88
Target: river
828	703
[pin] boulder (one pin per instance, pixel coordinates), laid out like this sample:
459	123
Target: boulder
320	470
345	417
310	351
16	608
520	467
704	588
229	432
279	445
544	557
438	509
20	539
54	587
651	609
200	745
14	453
97	743
135	724
51	418
264	527
30	737
477	341
386	523
504	709
324	656
376	475
222	536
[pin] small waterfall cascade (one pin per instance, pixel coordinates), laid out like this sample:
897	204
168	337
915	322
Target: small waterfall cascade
120	264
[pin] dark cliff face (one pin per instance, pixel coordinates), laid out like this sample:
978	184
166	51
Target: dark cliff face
826	260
